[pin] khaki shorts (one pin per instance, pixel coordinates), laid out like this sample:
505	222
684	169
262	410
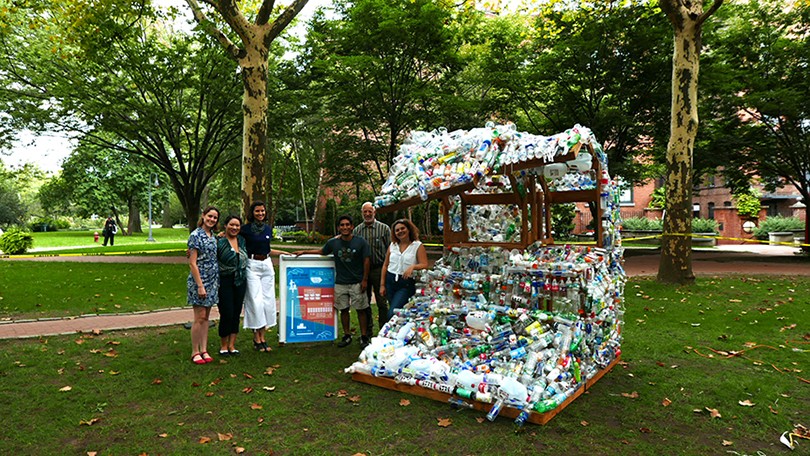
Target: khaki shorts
350	296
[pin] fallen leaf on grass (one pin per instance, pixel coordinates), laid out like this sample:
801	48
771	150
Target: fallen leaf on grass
632	395
195	384
479	419
444	422
66	388
215	382
734	300
404	402
584	423
269	371
773	411
89	422
248	375
342	393
713	413
239	450
92	453
164	435
354	398
359	454
645	430
247	390
746	403
329	394
269	388
205	439
209	394
727	443
157	381
255	406
222	437
666	402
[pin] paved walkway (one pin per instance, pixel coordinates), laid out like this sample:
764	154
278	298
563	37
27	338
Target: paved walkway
736	259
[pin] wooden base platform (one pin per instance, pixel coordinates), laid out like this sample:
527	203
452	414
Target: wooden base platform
537	418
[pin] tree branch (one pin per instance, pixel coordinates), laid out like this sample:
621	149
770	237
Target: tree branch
233	50
283	20
264	12
709	12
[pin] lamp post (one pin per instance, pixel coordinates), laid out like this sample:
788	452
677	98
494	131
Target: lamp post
151	239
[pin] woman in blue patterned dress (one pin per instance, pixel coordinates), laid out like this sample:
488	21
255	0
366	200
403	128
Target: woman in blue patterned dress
203	281
233	258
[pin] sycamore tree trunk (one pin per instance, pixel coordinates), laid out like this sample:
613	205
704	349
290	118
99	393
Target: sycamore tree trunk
687	17
254	136
256	38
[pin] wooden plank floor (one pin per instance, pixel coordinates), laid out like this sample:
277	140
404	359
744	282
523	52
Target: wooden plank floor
537	418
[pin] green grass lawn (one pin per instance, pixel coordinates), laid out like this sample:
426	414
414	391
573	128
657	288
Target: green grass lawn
62	239
33	289
136	392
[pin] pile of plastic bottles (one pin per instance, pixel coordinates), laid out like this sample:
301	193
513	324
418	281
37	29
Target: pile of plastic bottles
480	328
438	160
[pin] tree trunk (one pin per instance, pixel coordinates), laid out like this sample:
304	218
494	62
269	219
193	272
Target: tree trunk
167	216
806	249
192	208
134	225
254	105
118	221
676	245
318	191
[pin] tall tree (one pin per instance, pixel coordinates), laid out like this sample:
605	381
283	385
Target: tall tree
121	83
379	66
687	18
101	180
256	36
760	95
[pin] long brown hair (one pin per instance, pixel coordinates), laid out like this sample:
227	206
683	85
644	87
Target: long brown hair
205	211
413	231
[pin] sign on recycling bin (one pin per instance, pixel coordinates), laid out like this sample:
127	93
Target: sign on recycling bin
307	297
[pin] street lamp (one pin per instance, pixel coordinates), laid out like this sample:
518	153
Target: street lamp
151	239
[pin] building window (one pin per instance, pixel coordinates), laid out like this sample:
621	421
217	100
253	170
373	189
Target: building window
727	203
711	211
696	210
626	195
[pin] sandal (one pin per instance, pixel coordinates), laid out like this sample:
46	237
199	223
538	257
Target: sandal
234	352
259	346
206	357
197	359
224	353
266	348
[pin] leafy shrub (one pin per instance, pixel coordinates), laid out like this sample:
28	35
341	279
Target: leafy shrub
701	225
658	200
16	241
642	224
562	221
776	224
47	223
747	205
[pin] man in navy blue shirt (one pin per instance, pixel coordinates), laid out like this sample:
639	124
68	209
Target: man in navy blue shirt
352	262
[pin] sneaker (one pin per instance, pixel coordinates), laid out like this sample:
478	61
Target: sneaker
347	339
364	341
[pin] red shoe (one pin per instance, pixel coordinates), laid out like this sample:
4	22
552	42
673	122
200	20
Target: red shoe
197	359
206	357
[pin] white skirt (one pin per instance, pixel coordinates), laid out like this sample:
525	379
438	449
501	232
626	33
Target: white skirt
260	299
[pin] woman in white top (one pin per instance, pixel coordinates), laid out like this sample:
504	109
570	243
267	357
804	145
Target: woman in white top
405	255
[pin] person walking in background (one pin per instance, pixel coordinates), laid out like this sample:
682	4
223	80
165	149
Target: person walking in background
203	281
378	236
260	301
405	255
109	231
352	259
232	263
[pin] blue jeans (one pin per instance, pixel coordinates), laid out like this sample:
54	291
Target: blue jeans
398	291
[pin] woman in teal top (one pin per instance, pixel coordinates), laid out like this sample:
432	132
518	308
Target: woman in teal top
232	259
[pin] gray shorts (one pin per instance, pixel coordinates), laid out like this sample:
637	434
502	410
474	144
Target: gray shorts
350	296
